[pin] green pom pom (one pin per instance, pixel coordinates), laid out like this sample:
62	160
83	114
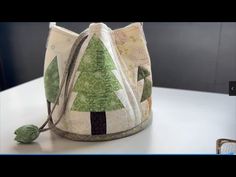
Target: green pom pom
27	134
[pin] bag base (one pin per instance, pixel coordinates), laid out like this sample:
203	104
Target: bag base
106	137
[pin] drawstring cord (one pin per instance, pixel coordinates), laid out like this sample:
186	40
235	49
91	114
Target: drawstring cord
72	57
28	133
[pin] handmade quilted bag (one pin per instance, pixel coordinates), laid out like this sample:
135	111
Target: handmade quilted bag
98	84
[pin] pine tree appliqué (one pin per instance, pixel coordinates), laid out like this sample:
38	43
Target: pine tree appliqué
143	73
51	81
96	85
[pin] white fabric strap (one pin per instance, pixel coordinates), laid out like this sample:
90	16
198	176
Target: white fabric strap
51	24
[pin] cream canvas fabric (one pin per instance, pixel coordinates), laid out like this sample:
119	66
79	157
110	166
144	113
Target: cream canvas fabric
110	80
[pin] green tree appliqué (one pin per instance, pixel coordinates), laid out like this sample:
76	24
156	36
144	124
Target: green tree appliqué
96	85
51	81
143	73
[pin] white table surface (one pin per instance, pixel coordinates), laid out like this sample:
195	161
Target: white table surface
184	122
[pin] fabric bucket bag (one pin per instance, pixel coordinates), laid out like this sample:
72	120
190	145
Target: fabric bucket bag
98	84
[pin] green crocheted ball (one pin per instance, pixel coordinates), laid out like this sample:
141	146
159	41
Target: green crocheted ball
27	134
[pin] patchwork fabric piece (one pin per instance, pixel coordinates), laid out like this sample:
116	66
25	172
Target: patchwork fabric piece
96	84
147	89
131	46
143	73
51	81
117	121
98	122
96	57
